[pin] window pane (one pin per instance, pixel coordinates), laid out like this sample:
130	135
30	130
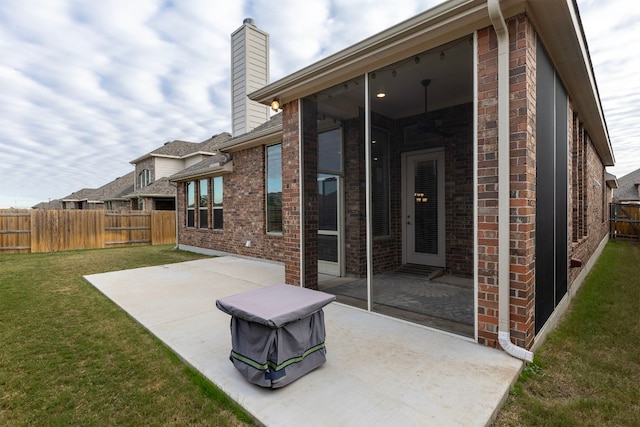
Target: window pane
330	151
327	202
217	219
274	188
328	248
204	218
191	200
190	218
380	182
426	207
217	191
204	193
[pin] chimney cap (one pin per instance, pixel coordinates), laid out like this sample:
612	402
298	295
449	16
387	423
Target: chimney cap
249	21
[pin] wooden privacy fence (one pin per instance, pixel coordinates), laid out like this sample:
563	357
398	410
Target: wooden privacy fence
624	221
43	230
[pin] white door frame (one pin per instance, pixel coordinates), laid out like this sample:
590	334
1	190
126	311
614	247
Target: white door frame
409	256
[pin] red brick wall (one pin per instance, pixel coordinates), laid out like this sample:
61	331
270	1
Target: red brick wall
588	187
522	187
354	195
291	193
244	213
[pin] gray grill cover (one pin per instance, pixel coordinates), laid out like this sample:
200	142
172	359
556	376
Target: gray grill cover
277	333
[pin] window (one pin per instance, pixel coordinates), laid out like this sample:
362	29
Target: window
380	182
191	203
144	178
274	188
330	151
203	200
217	198
579	180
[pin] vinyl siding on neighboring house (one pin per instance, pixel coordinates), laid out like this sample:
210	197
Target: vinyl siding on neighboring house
192	160
166	167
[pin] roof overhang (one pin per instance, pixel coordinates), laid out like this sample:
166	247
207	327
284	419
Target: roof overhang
151	195
252	139
560	29
557	23
438	25
216	170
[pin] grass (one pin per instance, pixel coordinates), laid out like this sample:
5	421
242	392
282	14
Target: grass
587	373
69	356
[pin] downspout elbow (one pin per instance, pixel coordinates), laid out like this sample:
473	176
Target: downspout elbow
504	338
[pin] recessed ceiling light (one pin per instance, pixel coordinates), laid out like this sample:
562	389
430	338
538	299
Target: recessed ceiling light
381	95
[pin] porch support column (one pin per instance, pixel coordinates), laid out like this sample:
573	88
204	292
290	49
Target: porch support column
291	240
310	193
300	193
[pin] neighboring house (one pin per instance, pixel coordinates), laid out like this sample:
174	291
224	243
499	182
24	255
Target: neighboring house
468	141
51	204
86	199
110	196
152	191
628	190
113	193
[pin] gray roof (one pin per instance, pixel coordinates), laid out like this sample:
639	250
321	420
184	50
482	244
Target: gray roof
52	204
159	188
176	148
179	148
216	163
83	194
207	166
210	144
118	188
628	187
272	125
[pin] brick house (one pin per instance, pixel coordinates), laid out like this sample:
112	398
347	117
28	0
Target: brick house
466	145
628	190
152	188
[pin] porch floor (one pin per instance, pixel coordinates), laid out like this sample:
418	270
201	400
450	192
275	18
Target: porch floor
414	293
379	370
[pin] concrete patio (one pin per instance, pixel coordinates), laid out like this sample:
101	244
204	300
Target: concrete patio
379	371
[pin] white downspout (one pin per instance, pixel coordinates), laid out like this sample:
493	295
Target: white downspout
504	333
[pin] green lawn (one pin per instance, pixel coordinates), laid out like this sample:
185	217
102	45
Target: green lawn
69	356
587	373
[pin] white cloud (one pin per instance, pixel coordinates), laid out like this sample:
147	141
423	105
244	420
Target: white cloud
89	86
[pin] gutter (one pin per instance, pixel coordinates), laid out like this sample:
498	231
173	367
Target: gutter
504	317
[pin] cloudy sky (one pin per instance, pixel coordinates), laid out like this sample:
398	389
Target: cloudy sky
87	86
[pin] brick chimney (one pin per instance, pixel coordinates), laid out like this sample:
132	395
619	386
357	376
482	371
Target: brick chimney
249	72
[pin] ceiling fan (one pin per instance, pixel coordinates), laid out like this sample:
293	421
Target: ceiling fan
430	125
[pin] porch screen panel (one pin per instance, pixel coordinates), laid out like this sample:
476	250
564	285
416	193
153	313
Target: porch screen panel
551	189
425	199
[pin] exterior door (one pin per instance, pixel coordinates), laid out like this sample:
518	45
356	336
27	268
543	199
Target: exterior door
423	208
329	225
